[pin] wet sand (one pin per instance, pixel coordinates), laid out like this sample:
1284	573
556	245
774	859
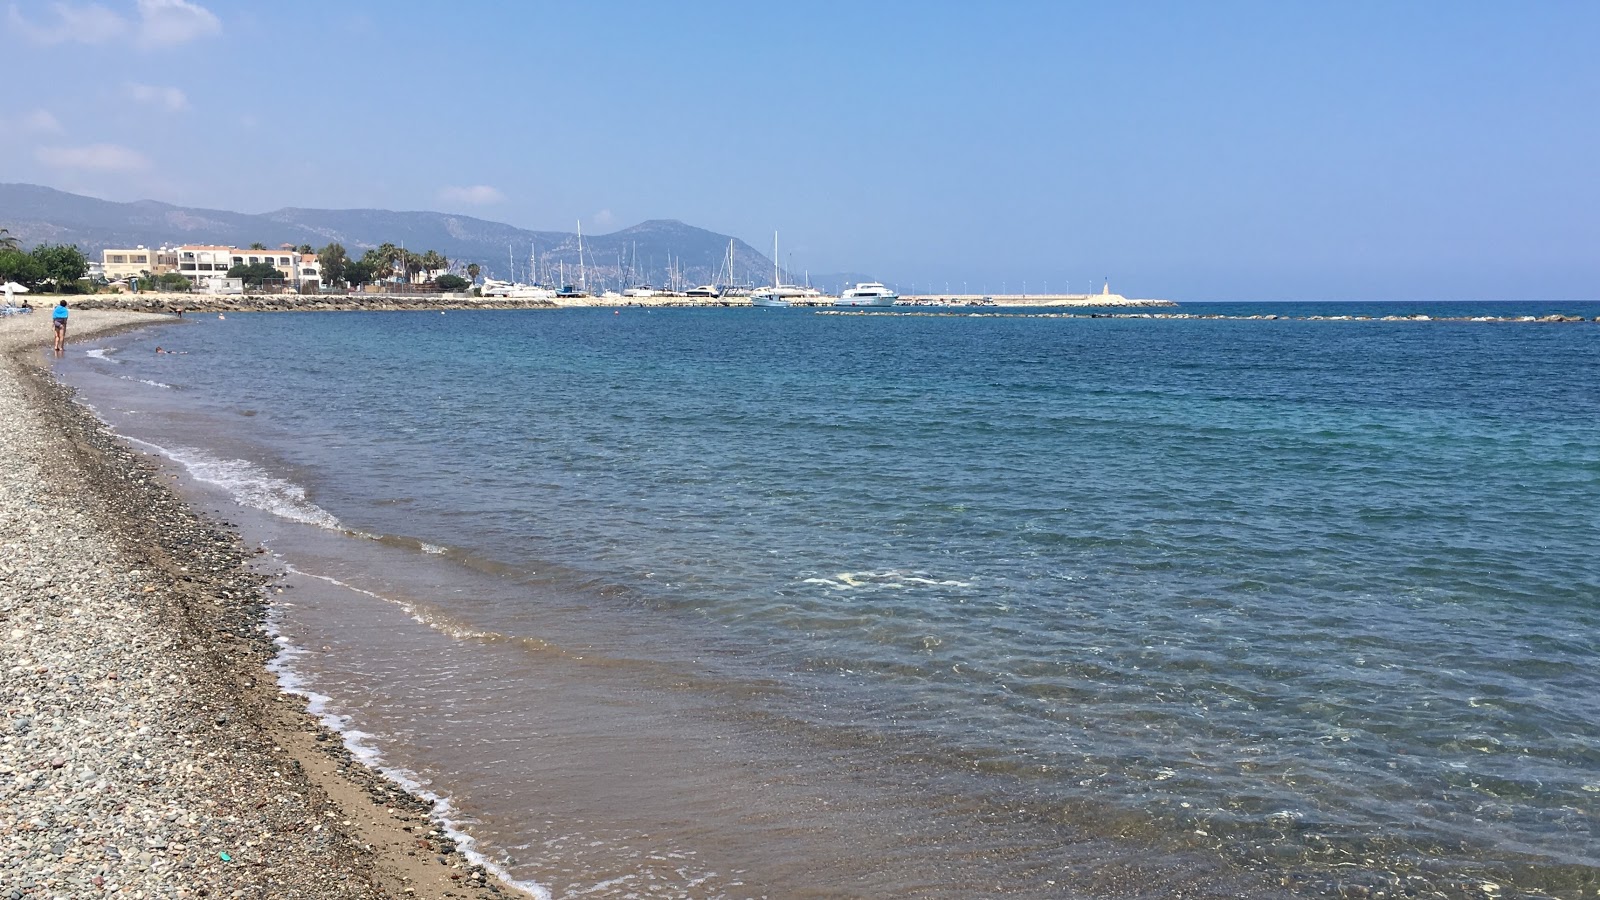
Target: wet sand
145	750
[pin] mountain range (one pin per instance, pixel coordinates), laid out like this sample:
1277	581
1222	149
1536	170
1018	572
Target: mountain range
36	214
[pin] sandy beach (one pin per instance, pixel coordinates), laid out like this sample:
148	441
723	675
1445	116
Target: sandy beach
145	751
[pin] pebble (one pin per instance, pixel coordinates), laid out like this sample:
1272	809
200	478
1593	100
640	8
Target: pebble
123	740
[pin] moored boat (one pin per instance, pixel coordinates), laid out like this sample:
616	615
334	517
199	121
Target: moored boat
778	293
768	298
867	293
515	290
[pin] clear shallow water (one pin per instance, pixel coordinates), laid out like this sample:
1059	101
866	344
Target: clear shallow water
741	602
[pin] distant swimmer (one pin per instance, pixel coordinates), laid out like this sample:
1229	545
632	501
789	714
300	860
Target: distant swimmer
58	317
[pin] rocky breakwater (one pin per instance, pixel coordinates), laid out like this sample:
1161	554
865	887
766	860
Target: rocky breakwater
144	749
1552	319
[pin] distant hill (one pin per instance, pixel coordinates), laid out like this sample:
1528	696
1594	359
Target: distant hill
37	214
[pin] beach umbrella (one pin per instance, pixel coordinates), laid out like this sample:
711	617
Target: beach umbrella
13	288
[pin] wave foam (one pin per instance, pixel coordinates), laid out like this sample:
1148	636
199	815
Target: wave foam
145	381
249	485
891	579
362	746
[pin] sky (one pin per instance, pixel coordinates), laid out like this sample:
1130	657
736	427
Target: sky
1183	150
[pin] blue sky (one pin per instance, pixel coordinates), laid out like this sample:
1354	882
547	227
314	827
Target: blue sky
1193	151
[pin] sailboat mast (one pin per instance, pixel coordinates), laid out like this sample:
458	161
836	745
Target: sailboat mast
775	281
583	281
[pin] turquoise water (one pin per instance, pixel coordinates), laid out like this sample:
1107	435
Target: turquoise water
1289	607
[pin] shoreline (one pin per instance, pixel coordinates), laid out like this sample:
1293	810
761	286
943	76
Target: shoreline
1093	306
144	744
170	303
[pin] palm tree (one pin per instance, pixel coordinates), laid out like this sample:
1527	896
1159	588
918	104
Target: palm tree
383	258
472	272
433	261
8	241
258	246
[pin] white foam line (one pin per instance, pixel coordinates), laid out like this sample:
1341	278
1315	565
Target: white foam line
361	746
145	381
248	484
882	580
417	615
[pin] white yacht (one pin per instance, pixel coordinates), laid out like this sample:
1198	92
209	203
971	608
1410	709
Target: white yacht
778	293
703	291
867	293
768	298
515	290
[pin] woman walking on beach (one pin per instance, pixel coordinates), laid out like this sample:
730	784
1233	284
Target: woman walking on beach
58	317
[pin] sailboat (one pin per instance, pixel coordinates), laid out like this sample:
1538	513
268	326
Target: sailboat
716	289
780	294
515	289
570	292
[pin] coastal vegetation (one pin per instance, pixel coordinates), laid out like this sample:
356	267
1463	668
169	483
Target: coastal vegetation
60	266
384	262
254	274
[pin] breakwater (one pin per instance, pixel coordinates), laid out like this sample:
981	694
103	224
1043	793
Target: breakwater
1264	317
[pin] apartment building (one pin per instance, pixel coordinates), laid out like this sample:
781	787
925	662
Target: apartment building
198	262
119	264
201	262
300	270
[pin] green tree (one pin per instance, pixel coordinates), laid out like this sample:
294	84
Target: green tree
8	241
359	272
473	269
377	261
334	262
304	248
258	246
407	264
386	260
433	261
63	265
451	282
255	273
21	268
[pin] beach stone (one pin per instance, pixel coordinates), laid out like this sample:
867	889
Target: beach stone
126	733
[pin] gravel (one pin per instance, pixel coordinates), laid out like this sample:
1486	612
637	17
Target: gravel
138	754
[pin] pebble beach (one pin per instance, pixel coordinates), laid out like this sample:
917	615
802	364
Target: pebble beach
145	750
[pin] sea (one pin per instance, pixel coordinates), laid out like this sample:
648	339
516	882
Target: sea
775	603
